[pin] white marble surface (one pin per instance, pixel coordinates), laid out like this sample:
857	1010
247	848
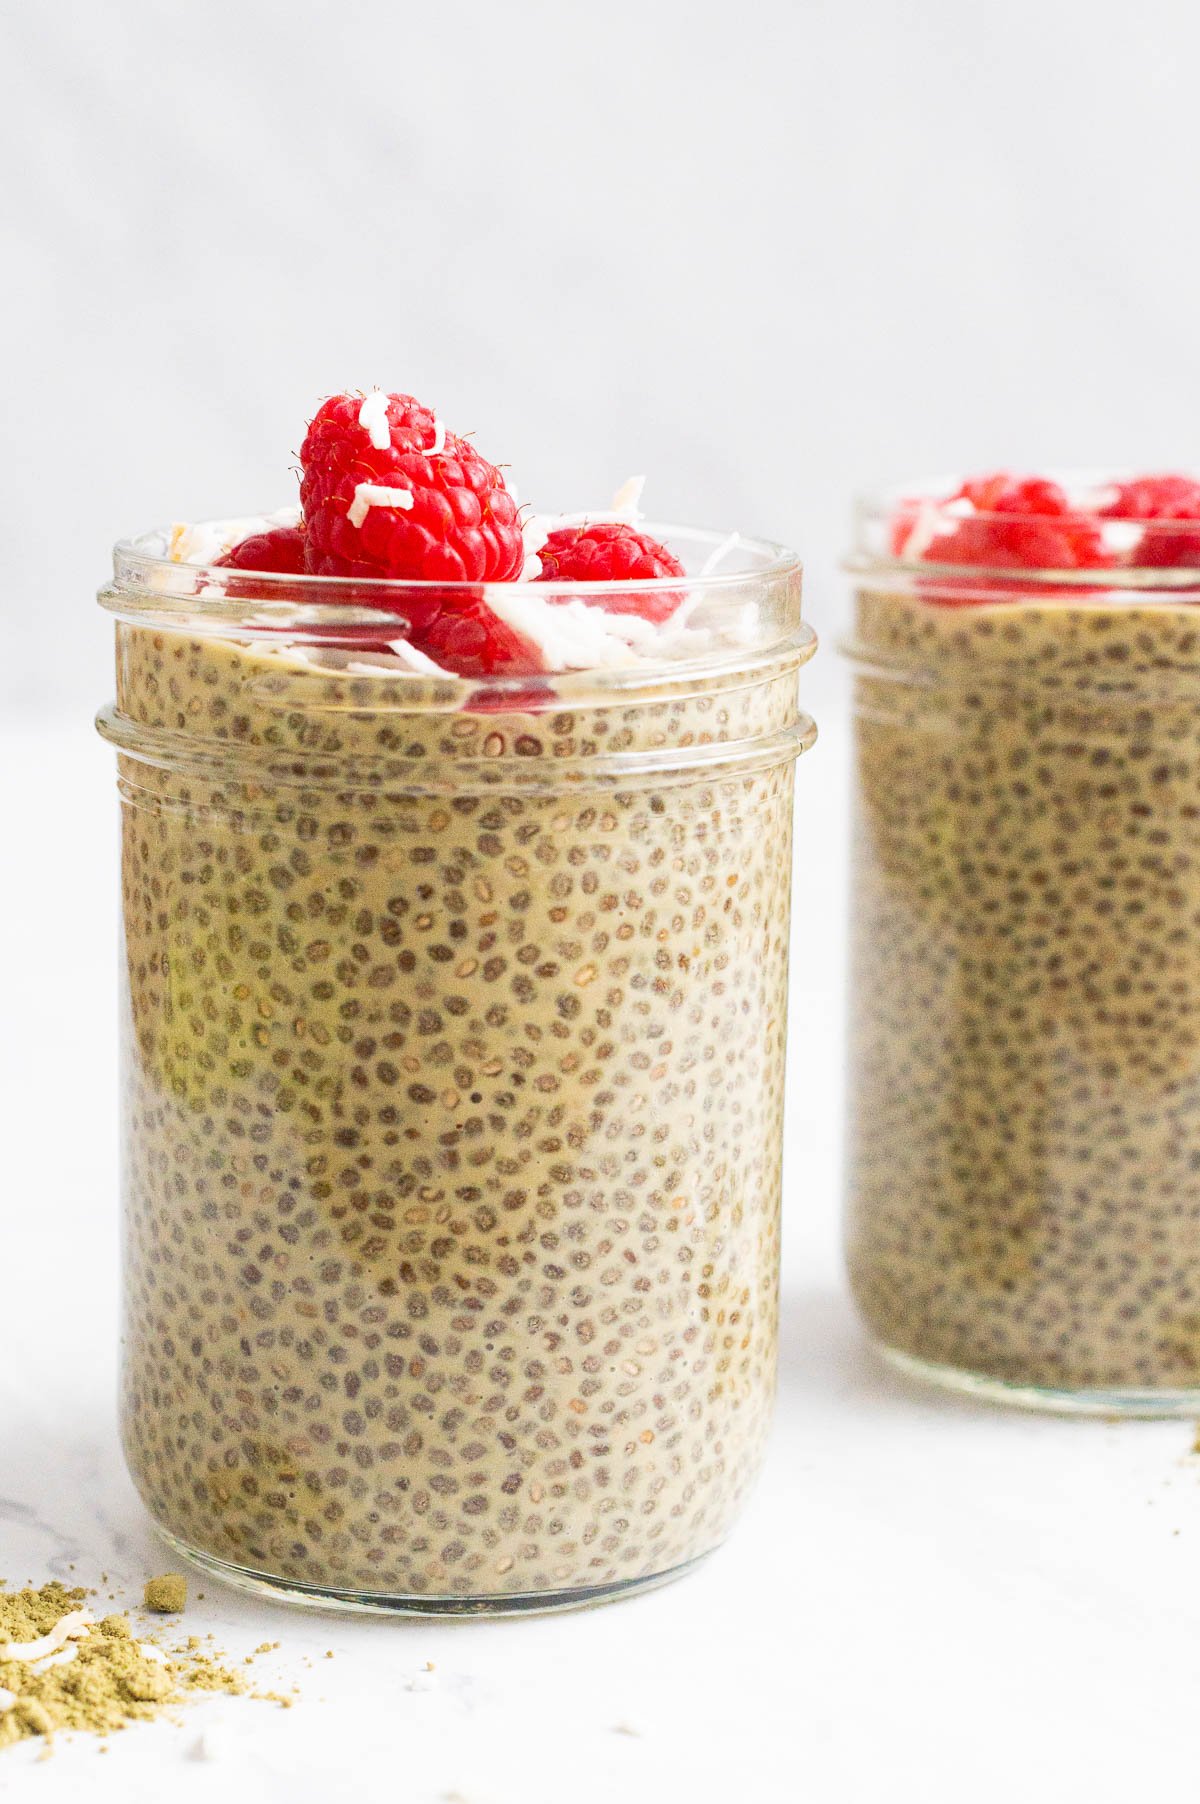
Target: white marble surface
927	1600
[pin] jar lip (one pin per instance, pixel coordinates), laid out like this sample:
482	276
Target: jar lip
143	560
730	618
939	510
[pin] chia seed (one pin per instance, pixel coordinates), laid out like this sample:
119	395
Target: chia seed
453	1121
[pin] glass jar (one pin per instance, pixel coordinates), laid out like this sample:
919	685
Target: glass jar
1024	1118
453	1085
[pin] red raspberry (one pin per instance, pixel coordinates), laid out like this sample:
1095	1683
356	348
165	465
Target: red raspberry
280	549
1155	498
611	552
461	525
454	627
1020	523
1160	498
459	631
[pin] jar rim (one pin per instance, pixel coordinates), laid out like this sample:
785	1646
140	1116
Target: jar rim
744	620
940	510
143	561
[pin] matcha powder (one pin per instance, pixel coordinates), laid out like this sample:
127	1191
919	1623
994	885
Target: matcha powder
167	1595
63	1668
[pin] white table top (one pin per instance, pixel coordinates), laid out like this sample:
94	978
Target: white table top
926	1600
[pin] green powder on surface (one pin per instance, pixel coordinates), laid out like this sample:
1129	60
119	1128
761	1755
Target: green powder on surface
92	1675
167	1594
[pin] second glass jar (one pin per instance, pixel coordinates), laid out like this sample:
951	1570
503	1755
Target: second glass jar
1024	1135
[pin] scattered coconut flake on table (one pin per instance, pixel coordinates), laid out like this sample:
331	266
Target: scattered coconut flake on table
61	1659
70	1627
373	418
212	1743
375	494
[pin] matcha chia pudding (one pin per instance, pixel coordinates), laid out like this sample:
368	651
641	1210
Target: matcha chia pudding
1024	1151
456	855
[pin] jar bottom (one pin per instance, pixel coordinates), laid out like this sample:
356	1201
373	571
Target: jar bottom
1116	1400
380	1603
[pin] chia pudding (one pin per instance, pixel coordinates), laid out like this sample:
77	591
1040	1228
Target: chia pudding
1024	1153
454	1059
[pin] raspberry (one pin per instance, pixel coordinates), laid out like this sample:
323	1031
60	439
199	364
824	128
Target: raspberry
1003	494
459	631
425	507
610	552
454	627
281	550
1155	498
460	524
1020	523
1158	499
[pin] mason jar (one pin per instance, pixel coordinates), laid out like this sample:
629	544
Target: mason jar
453	1087
1024	1121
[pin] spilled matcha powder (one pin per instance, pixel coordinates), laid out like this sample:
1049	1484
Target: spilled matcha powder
63	1668
167	1595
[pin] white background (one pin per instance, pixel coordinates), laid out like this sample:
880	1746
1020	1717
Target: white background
767	254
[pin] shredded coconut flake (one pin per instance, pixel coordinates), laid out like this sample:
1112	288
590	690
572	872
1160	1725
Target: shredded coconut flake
719	553
7	1698
212	1743
402	653
569	635
372	417
70	1627
627	502
439	439
414	659
924	531
64	1659
927	524
536	528
350	663
1123	535
208	540
373	494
